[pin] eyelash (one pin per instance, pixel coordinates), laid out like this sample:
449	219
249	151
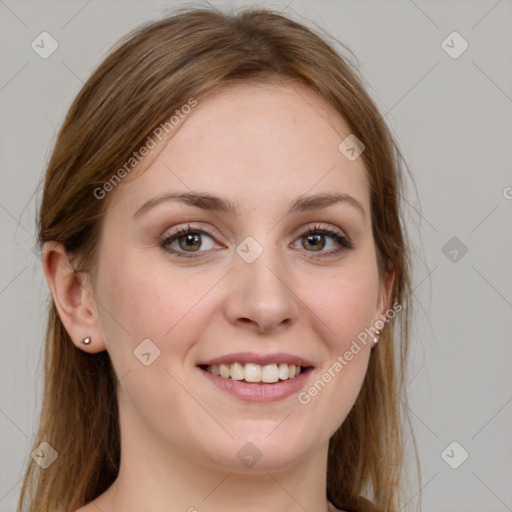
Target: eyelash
343	241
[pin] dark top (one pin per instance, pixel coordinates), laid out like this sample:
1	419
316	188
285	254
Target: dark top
358	504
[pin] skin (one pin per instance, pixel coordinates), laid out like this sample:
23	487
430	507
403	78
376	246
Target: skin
260	146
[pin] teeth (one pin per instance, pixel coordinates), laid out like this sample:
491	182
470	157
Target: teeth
270	373
283	371
225	370
237	371
251	372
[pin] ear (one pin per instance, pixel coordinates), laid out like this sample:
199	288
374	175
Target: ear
385	291
73	298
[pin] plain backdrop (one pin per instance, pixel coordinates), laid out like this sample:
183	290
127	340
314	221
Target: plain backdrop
450	108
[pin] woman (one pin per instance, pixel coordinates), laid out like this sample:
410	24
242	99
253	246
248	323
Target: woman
222	237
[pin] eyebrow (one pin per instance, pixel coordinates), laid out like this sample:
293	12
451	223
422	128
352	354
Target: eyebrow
213	203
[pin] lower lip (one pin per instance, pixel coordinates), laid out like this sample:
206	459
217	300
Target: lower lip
259	392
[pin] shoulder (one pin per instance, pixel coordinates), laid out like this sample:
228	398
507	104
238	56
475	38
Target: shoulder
100	503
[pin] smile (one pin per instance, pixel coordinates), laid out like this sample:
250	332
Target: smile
254	373
254	377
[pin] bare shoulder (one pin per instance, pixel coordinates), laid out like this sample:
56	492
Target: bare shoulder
87	508
91	507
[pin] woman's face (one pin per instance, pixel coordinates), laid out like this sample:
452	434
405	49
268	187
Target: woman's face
245	286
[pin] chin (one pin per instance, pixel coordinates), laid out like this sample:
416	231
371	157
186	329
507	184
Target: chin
260	451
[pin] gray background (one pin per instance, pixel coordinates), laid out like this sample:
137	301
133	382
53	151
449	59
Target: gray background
453	120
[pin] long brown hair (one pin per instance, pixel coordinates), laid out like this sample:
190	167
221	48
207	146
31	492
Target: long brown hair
150	74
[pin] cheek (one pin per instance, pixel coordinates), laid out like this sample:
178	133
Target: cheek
344	305
143	300
172	311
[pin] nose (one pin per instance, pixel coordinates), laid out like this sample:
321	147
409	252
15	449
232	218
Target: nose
261	295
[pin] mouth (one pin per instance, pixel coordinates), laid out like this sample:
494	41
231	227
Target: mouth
255	373
258	378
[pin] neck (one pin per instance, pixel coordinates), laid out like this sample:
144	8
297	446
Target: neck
155	476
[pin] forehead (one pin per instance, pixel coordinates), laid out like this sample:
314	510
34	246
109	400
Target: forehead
253	142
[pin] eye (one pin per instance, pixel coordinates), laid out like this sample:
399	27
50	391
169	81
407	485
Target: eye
187	240
314	240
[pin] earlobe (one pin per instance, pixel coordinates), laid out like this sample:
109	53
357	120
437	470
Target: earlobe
72	297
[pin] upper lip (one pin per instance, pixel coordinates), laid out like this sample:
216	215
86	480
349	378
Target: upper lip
261	359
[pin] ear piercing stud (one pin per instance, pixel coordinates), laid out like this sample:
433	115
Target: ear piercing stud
86	341
375	339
